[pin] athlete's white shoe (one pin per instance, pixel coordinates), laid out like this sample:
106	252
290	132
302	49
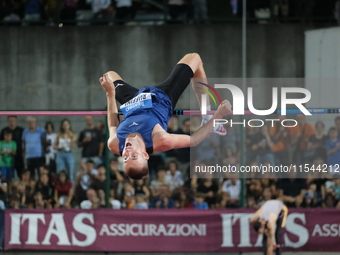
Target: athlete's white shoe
217	130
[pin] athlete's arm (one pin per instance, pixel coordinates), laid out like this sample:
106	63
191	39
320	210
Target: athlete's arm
112	112
285	214
172	141
256	215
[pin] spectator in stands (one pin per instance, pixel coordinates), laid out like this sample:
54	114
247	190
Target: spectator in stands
162	200
209	149
102	9
333	150
52	177
142	195
116	175
300	135
17	138
209	188
3	188
50	155
267	195
92	201
329	201
91	140
25	188
232	139
230	157
280	138
250	141
39	202
180	10
335	188
231	193
308	200
174	175
183	154
316	146
11	10
64	142
63	192
45	189
291	190
199	201
34	140
185	199
156	184
15	202
8	150
129	195
172	128
262	147
125	10
337	125
84	180
316	181
200	10
32	10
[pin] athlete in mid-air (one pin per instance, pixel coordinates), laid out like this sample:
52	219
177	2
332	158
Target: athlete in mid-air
270	220
147	112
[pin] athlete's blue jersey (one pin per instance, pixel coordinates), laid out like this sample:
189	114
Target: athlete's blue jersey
150	106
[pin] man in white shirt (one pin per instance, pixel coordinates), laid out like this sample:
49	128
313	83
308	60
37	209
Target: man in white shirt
173	175
231	193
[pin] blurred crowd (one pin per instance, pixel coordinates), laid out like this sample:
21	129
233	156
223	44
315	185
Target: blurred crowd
38	168
175	11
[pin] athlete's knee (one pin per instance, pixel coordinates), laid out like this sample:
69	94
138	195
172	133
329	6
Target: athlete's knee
195	56
113	75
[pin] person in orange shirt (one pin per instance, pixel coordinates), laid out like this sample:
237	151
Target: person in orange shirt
280	137
300	135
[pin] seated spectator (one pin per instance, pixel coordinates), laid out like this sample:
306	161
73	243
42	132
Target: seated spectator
262	147
316	181
336	187
92	201
140	201
280	138
162	200
142	190
251	202
300	135
115	174
231	193
63	192
129	196
3	188
251	136
45	189
25	188
266	195
329	201
156	184
32	10
52	177
199	201
333	150
185	199
15	202
291	190
102	9
316	146
209	188
39	202
174	175
8	150
308	200
230	157
84	180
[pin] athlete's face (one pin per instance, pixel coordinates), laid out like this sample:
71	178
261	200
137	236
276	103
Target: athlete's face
134	154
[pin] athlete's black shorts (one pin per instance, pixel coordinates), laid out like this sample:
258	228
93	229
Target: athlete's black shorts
173	86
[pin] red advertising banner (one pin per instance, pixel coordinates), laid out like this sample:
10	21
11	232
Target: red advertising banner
164	230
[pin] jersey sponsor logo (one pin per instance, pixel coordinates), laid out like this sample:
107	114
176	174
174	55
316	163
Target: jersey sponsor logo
119	84
143	100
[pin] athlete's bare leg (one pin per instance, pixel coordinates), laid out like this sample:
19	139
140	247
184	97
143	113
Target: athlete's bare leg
195	62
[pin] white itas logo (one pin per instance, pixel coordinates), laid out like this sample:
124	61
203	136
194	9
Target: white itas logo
238	100
56	227
229	220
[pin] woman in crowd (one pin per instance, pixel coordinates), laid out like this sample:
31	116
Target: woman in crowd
63	192
316	146
45	189
50	152
64	142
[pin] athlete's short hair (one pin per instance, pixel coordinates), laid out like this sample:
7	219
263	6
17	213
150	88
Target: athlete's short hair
257	225
137	173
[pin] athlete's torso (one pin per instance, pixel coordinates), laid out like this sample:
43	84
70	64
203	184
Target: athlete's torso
150	106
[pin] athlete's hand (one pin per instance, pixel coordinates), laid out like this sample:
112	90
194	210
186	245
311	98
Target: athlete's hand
224	109
107	85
